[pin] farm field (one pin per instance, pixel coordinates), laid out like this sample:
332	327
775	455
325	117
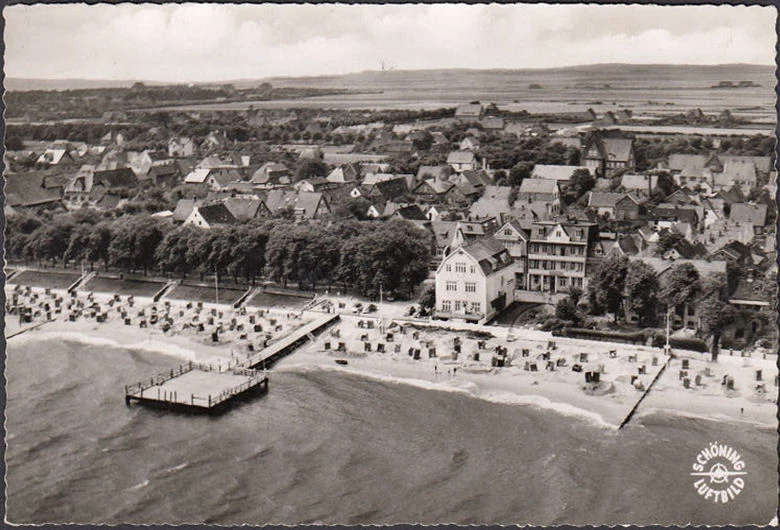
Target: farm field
647	90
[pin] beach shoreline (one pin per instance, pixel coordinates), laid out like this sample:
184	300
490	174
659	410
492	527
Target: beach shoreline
554	391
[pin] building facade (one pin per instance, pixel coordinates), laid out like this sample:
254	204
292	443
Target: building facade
559	255
475	282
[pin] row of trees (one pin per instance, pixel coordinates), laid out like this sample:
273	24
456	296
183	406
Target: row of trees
360	256
621	287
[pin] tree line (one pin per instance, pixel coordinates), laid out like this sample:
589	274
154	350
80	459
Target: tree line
622	287
361	257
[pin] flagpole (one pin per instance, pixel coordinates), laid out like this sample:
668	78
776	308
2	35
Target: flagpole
216	284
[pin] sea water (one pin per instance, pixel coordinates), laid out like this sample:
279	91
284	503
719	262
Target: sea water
330	447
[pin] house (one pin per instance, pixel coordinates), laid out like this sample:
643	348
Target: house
432	190
247	208
468	231
271	174
479	179
469	112
140	162
462	160
475	282
639	185
211	178
469	143
165	176
739	174
314	184
492	123
603	203
755	214
666	214
183	209
604	154
443	233
215	140
181	147
733	252
627	245
347	173
302	204
493	203
560	255
387	189
540	191
561	174
629	207
412	212
515	239
54	156
29	191
210	216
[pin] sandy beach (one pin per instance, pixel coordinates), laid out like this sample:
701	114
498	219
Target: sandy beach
552	383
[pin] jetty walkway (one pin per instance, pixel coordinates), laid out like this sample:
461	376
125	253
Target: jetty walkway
209	388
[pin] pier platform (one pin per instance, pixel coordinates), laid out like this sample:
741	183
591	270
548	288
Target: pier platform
198	388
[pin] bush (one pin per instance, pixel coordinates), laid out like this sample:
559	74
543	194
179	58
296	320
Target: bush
637	337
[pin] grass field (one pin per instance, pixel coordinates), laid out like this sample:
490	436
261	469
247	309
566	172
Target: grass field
277	300
200	293
124	287
47	279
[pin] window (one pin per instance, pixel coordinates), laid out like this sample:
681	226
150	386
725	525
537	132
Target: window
508	232
691	311
562	282
451	286
471	287
460	267
473	269
457	305
448	267
446	306
476	307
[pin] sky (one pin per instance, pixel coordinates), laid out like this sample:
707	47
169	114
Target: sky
207	42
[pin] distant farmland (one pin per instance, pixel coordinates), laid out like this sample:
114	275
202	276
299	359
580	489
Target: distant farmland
645	89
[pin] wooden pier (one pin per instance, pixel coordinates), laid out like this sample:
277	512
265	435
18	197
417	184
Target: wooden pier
199	388
212	388
276	351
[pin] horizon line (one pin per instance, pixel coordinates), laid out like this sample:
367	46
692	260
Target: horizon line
370	71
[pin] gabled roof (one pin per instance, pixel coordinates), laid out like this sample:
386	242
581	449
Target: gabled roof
477	178
197	176
304	201
443	232
390	189
705	268
490	253
469	110
29	189
533	185
183	209
437	186
461	157
555	172
411	212
601	199
755	214
245	208
115	178
494	201
216	213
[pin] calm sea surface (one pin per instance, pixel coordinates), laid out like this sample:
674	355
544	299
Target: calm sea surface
332	448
